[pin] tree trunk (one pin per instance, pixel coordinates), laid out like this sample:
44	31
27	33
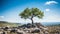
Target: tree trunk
32	21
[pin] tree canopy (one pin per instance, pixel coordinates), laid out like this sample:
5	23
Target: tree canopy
31	13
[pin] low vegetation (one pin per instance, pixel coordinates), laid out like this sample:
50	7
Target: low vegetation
4	23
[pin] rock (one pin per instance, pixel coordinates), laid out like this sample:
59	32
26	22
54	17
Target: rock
13	30
35	31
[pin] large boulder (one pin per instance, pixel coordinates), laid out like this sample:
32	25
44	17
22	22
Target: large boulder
13	30
6	28
1	32
35	31
20	32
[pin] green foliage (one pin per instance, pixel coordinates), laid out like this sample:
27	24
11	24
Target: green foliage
25	14
29	13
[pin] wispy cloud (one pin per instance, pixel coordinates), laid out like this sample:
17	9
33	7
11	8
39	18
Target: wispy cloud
1	18
47	9
51	2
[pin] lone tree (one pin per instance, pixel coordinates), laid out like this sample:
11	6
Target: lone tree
31	13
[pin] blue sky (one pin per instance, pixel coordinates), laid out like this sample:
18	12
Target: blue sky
10	9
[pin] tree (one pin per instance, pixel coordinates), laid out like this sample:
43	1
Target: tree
31	13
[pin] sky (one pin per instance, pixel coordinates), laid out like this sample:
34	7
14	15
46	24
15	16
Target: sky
10	9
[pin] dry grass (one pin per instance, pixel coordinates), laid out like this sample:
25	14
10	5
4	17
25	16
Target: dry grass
54	29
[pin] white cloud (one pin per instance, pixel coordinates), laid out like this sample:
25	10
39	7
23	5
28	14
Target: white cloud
52	18
51	2
1	18
47	9
45	19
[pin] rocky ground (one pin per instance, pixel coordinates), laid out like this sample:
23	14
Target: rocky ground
28	29
25	29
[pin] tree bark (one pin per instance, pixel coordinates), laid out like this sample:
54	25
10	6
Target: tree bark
32	21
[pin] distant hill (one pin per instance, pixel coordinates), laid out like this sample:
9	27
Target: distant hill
51	23
55	25
4	23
